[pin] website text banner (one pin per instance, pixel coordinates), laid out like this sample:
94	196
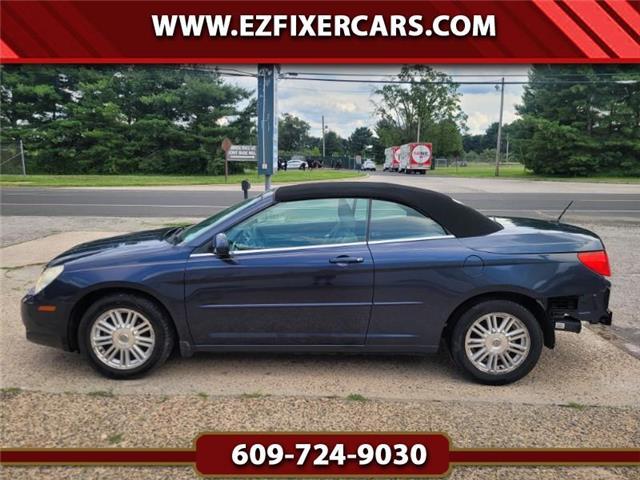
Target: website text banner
349	31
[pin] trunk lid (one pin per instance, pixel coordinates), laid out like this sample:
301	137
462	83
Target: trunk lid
529	235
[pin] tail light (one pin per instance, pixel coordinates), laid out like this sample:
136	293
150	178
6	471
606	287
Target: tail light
596	261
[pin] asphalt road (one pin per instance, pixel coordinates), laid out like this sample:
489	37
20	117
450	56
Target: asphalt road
201	203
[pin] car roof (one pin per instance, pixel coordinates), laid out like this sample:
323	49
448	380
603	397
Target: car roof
458	219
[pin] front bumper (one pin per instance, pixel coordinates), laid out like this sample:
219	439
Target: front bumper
44	328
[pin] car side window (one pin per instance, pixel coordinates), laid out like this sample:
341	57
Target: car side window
302	223
393	221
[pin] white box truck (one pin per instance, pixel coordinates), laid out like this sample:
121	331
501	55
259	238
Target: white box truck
391	159
415	157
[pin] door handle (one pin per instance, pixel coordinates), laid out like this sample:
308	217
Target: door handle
346	259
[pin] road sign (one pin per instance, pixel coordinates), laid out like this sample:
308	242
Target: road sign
226	144
242	153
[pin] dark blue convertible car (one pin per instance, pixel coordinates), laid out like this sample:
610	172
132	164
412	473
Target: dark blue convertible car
332	267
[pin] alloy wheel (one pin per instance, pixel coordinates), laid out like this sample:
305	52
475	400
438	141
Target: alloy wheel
122	338
497	343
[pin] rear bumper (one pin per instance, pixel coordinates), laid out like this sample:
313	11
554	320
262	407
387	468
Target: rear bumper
44	328
595	308
568	312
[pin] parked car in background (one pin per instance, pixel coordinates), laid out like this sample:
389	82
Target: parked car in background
328	267
297	162
369	166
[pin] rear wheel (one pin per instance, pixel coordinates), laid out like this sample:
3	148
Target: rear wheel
125	336
496	342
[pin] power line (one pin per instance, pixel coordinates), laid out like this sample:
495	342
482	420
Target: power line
235	70
220	71
315	90
557	79
463	82
492	75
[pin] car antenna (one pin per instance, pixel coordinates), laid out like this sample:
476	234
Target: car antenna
564	211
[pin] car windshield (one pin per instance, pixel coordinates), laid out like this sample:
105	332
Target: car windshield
194	230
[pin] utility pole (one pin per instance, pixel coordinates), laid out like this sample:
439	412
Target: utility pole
500	128
24	168
226	145
506	157
418	136
323	138
267	121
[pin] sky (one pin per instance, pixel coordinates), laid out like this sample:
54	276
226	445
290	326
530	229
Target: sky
347	106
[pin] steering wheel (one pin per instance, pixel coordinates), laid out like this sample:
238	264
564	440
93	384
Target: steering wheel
249	237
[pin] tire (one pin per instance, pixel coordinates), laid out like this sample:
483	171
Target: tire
508	357
150	330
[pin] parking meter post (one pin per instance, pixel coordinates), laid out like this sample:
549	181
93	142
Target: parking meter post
245	185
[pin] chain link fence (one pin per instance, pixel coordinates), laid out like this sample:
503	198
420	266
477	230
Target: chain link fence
12	159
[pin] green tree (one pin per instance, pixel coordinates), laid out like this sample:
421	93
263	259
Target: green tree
335	145
121	119
389	134
479	143
472	143
446	139
429	97
293	133
580	120
359	140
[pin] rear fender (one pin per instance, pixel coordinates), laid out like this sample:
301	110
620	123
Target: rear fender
523	297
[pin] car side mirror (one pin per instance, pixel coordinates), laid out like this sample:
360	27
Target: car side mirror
221	246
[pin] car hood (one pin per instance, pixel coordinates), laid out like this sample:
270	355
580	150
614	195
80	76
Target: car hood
121	246
529	235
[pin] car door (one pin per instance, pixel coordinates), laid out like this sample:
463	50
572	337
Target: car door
300	273
418	276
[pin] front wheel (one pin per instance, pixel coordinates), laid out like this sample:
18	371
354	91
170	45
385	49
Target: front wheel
125	336
496	342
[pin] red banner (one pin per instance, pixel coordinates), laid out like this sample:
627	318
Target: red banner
334	31
327	454
251	454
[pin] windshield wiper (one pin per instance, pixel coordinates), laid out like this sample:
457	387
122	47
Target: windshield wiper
171	234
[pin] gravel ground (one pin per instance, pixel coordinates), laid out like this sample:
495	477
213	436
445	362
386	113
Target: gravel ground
622	243
75	420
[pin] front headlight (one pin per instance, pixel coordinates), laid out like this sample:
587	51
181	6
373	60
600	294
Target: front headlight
47	276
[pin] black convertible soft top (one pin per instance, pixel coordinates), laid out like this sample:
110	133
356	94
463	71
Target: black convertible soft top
456	218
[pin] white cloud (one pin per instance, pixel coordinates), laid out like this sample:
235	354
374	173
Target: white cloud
347	106
343	109
483	109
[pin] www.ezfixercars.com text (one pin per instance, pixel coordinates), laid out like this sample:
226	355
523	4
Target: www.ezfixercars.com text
323	25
